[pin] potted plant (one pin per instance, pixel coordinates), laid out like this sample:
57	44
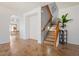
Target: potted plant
64	20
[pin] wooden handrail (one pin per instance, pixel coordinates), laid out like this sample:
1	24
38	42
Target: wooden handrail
57	29
49	16
57	32
46	25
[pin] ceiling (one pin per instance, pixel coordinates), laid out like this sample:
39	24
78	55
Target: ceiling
61	5
21	7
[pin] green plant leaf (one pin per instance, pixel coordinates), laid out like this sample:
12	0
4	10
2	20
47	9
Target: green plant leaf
66	21
64	18
66	15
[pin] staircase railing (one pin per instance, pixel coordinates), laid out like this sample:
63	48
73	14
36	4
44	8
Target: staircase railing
46	25
48	22
57	33
49	16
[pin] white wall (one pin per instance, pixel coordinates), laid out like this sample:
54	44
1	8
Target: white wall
73	29
5	14
54	11
25	27
22	27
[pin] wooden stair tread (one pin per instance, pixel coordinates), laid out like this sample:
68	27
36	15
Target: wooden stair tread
48	43
51	33
49	37
51	40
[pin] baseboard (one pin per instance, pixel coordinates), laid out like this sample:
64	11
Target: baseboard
73	43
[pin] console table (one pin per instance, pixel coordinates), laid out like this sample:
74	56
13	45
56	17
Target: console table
63	36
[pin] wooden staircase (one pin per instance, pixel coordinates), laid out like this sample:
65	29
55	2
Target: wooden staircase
51	36
51	39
